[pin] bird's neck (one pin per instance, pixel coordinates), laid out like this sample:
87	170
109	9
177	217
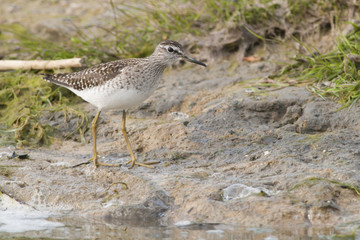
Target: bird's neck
157	62
152	70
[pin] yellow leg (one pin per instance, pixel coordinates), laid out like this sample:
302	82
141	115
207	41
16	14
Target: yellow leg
94	125
133	159
95	156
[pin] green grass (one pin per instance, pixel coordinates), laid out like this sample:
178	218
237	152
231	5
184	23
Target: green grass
38	48
315	180
138	26
336	74
24	97
302	9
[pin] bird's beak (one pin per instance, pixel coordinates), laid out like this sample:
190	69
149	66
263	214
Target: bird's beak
193	60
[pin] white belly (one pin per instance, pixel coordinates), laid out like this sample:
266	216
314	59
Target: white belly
113	99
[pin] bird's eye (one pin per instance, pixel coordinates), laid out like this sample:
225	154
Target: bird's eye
170	49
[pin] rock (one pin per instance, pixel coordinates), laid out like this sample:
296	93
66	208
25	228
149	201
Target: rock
238	191
148	213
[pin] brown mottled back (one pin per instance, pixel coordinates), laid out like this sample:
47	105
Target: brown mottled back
90	77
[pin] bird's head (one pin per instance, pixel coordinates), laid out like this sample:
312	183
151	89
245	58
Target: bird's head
172	51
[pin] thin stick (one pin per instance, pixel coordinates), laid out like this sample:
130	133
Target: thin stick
40	64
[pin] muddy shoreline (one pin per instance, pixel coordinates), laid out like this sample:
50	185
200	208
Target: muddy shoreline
229	153
277	157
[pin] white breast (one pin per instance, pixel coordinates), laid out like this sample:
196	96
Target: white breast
104	98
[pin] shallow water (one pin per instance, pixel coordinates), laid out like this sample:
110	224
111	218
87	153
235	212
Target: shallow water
22	225
19	220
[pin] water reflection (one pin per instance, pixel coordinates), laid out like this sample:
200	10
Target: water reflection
74	227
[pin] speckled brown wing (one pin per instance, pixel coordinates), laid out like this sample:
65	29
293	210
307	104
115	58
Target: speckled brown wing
90	77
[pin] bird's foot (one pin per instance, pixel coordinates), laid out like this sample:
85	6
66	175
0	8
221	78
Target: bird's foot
97	163
148	164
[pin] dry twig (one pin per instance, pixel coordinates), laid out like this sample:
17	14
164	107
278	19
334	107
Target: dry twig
40	64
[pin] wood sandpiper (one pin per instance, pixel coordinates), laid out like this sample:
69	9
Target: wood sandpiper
121	84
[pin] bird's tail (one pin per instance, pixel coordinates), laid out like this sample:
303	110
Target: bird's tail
53	78
47	77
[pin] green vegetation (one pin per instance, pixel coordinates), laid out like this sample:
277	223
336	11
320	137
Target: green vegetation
315	180
24	97
37	47
335	74
138	26
351	236
135	30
